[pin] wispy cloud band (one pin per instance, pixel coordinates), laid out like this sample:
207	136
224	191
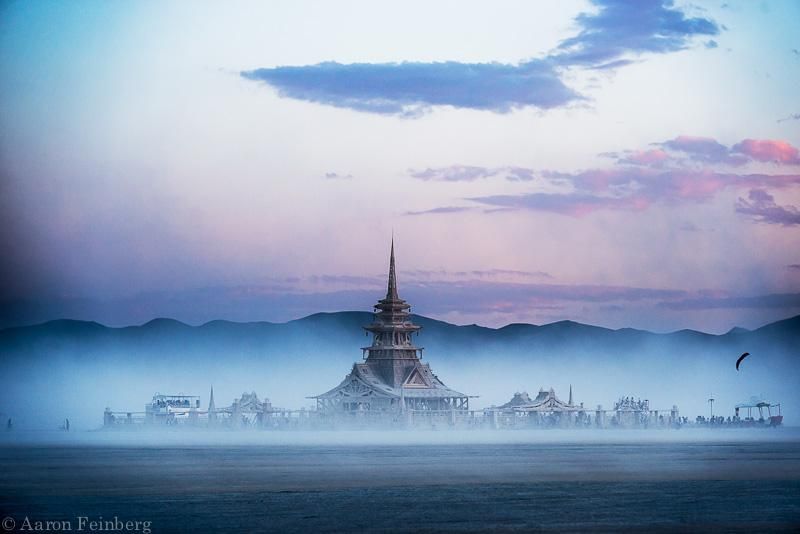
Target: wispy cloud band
411	88
605	39
681	170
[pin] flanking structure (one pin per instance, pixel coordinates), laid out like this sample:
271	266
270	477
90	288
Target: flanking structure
546	409
248	411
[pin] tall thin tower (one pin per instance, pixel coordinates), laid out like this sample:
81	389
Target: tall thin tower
392	352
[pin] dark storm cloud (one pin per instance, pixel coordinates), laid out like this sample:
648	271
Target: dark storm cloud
409	89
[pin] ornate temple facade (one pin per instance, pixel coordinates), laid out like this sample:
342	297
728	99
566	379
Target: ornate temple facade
392	377
546	409
545	402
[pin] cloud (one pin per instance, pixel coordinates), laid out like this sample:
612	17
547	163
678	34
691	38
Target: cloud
771	301
632	189
468	173
498	283
454	173
330	280
281	303
761	207
433	293
409	89
792	117
420	275
710	44
653	176
654	157
703	149
575	204
673	184
336	176
708	150
794	267
621	27
611	64
509	272
443	209
779	152
519	174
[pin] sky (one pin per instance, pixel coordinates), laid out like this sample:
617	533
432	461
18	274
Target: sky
624	164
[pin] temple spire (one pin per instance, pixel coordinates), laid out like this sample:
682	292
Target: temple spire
391	291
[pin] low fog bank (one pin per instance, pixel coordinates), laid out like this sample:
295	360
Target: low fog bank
75	370
182	438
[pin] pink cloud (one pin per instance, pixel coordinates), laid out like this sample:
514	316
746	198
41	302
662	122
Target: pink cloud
768	150
696	185
634	189
661	176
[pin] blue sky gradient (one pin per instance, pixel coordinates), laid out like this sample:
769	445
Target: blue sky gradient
251	160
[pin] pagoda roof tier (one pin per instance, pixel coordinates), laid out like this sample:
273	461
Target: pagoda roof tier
392	304
362	382
409	348
392	327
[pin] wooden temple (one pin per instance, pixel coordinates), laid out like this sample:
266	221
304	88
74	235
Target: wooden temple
392	377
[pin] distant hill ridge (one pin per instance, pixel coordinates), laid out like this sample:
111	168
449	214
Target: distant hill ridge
159	322
341	332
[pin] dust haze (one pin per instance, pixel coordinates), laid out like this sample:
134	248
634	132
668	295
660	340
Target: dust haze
49	378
